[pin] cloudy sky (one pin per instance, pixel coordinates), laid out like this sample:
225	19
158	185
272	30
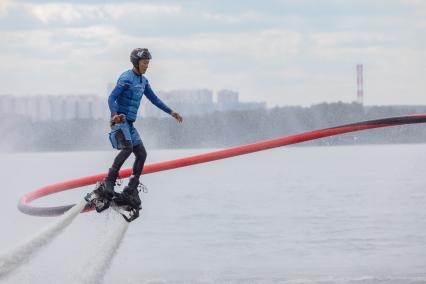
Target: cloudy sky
285	52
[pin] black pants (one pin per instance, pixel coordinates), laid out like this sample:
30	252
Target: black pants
138	150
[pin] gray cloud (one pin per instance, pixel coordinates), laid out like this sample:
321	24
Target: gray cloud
267	52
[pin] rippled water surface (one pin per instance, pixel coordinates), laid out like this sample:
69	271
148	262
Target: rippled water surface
353	214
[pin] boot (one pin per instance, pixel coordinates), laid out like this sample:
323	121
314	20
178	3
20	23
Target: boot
130	194
107	190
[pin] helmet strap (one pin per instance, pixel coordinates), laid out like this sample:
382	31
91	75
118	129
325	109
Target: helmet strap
136	70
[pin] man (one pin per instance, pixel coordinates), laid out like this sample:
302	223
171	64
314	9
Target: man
124	102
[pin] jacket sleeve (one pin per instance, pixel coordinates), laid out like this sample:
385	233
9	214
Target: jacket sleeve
121	86
149	93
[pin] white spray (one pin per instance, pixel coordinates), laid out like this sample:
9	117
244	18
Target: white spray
15	257
104	252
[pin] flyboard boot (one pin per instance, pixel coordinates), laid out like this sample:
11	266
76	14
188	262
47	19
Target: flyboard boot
101	197
129	201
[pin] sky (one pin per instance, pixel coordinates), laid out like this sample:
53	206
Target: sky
289	52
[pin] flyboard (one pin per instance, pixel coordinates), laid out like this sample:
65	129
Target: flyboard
24	202
96	200
129	213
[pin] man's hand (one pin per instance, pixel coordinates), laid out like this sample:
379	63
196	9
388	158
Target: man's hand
177	116
118	118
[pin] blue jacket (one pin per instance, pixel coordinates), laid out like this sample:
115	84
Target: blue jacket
126	96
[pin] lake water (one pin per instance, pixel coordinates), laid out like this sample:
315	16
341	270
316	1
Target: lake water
349	214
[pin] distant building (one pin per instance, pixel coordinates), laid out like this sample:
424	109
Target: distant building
84	107
44	109
57	108
199	102
6	102
188	102
227	100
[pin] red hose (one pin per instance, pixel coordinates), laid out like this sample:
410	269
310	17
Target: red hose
24	202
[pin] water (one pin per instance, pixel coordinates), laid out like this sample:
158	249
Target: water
290	215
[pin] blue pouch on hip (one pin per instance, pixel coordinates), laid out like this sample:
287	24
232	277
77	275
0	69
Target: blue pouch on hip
115	128
112	138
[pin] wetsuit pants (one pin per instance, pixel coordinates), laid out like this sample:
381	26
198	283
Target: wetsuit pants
127	149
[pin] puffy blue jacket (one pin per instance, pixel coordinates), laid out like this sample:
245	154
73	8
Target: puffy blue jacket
126	96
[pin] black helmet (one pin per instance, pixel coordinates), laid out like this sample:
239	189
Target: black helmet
138	54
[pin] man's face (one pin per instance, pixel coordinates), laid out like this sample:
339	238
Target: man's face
143	65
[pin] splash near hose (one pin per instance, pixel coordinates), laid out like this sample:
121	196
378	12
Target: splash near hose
24	202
